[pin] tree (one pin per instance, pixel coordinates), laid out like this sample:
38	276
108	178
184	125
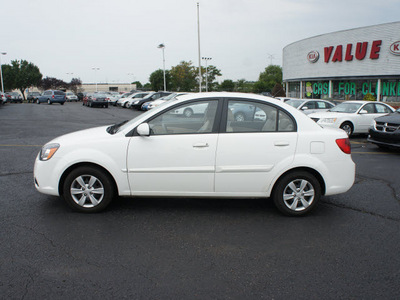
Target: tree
213	72
227	85
183	77
138	84
244	86
278	91
22	75
75	84
157	80
267	79
52	83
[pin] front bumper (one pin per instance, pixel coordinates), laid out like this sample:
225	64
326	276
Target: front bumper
388	139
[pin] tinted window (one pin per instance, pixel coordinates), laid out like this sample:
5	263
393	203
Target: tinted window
59	93
369	108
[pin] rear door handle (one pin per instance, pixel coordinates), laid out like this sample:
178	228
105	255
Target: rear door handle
281	143
200	145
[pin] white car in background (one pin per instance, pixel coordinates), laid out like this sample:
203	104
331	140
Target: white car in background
123	98
134	97
287	156
352	116
71	97
155	103
309	106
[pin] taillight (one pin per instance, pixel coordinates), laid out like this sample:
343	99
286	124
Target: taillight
52	96
344	145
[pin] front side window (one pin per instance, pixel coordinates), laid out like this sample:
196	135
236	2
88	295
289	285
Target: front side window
190	118
245	116
369	108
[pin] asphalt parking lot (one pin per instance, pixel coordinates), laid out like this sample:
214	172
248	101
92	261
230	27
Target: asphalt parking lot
189	249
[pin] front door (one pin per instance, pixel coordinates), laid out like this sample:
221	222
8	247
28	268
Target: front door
178	158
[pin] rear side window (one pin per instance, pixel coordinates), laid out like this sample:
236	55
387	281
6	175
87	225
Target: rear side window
380	108
246	116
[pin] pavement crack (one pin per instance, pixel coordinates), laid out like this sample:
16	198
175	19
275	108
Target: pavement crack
15	173
385	182
361	211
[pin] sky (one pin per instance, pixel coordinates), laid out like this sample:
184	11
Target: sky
68	38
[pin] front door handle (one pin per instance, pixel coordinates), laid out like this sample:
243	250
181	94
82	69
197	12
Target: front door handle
200	145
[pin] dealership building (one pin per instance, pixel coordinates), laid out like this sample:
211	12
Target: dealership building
345	65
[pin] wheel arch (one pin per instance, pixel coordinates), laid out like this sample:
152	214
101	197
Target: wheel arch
313	172
85	164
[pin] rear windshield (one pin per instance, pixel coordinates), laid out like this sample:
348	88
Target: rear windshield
59	93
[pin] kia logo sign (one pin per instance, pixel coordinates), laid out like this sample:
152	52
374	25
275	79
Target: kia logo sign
313	56
395	48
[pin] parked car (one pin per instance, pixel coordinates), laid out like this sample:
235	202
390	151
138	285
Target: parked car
127	103
71	97
96	100
32	96
112	99
150	97
310	106
2	98
153	104
52	96
352	116
14	97
123	98
80	96
385	132
291	158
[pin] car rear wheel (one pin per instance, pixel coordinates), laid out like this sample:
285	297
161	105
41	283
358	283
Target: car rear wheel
37	101
48	101
347	127
88	189
297	193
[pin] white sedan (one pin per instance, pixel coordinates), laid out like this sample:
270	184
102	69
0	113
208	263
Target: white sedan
309	106
352	116
286	156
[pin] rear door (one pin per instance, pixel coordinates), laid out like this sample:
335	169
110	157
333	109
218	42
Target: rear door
250	153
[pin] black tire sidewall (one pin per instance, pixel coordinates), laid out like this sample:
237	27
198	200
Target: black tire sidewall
277	194
109	190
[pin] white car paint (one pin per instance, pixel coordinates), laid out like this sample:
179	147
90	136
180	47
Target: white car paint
361	117
213	164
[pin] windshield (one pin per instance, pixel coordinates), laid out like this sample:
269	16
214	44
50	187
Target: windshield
169	97
130	122
294	103
346	107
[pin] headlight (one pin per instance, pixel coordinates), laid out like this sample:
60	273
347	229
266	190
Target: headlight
327	120
48	151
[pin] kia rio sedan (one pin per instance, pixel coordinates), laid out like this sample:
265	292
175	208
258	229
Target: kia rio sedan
284	156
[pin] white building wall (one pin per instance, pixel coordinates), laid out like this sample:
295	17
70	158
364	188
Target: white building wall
296	65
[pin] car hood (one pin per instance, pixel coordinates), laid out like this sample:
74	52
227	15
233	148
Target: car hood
390	118
329	114
82	136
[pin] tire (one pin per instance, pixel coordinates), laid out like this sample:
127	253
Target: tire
49	102
348	128
239	117
88	189
188	112
297	193
37	101
62	103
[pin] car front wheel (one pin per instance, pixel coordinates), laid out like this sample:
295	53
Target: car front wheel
297	193
88	189
347	127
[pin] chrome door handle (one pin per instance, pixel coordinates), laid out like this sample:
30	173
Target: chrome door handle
200	145
281	144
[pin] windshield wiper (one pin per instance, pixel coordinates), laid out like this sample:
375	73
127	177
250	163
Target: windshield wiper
114	128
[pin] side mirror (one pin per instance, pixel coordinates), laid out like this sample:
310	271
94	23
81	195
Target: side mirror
143	129
304	108
363	111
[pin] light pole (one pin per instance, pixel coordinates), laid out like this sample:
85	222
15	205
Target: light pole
1	72
162	46
206	59
95	77
130	83
198	42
